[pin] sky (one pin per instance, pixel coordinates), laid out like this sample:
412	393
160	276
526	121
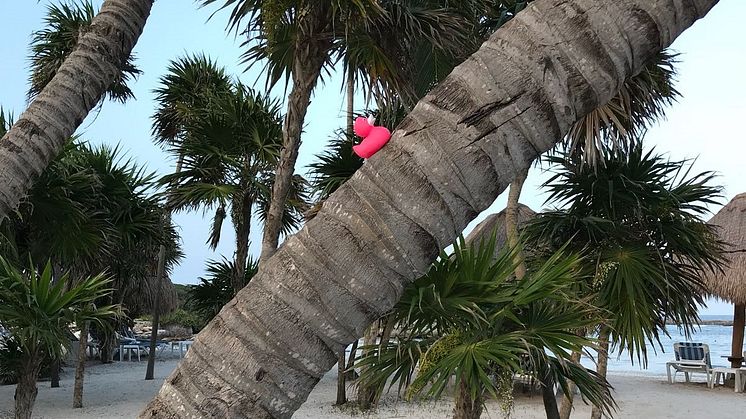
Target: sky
706	125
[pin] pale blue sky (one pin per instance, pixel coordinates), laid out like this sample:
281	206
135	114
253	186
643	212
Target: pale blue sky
706	124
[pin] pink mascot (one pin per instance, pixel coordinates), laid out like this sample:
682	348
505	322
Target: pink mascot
373	137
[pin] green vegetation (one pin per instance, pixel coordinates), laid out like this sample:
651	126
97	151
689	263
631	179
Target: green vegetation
470	318
38	312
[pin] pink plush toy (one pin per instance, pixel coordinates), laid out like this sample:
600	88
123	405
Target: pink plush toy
373	137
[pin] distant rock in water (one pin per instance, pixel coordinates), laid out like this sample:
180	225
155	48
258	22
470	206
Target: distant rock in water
709	323
717	322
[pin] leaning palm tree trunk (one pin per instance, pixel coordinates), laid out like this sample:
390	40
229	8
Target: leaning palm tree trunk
457	150
39	134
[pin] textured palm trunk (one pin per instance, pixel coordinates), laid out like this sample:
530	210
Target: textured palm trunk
243	230
350	371
39	134
350	84
80	367
366	395
310	55
26	390
548	396
465	406
341	391
342	363
567	400
54	373
448	160
603	362
511	222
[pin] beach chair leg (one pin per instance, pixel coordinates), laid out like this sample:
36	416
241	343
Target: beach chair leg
668	373
686	375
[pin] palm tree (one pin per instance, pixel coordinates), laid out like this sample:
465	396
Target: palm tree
617	125
187	82
229	156
637	220
448	160
41	131
38	314
102	200
299	39
469	318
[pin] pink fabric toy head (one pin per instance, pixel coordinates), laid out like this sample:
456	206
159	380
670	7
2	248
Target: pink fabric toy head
374	138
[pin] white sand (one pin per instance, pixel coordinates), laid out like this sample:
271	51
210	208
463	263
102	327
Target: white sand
119	391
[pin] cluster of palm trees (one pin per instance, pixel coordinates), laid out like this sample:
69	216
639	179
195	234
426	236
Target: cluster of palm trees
90	228
528	311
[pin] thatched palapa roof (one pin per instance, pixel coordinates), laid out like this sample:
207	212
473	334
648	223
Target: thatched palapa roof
486	227
730	285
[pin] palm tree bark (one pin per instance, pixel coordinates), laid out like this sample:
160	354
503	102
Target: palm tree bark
567	400
41	131
342	362
26	390
548	395
243	230
350	84
80	367
451	157
366	395
511	222
465	406
351	374
309	57
603	362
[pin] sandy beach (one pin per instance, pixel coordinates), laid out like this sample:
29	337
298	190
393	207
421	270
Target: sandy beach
118	391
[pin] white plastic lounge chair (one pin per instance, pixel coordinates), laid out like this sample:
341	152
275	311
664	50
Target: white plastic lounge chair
691	357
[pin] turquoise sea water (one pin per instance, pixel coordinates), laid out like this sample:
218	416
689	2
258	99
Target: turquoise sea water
717	337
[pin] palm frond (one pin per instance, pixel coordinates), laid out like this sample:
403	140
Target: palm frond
65	24
621	123
216	288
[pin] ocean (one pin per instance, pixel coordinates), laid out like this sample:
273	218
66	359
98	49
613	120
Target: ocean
717	337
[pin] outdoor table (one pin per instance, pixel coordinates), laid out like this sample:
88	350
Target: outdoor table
739	373
129	348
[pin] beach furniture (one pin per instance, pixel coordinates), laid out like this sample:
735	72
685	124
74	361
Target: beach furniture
129	348
181	345
129	345
184	346
691	357
738	373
